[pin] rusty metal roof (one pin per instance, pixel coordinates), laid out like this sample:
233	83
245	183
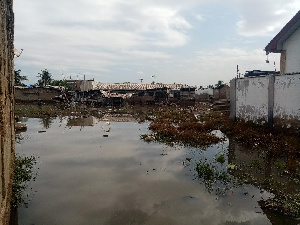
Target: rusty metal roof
276	43
136	86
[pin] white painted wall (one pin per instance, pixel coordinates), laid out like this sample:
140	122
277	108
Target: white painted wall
292	47
287	97
252	98
208	91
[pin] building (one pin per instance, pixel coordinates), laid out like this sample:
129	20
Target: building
222	92
287	43
35	94
272	99
135	93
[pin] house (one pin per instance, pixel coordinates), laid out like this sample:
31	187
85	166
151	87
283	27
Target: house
222	92
204	94
36	94
272	99
287	43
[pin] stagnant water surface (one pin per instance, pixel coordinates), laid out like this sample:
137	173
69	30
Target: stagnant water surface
95	172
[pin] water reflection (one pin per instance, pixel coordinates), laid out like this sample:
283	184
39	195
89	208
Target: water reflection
82	121
85	178
268	172
46	122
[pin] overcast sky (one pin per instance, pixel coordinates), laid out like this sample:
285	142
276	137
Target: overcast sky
195	42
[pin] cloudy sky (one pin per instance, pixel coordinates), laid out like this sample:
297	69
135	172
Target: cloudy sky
196	42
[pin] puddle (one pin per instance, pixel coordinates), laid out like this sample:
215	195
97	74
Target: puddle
86	178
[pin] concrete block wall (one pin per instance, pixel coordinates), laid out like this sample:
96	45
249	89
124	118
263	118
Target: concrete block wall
252	99
287	100
7	137
270	99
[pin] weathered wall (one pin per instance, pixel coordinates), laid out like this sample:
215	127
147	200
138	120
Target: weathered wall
287	99
252	98
35	94
273	99
221	93
292	47
7	138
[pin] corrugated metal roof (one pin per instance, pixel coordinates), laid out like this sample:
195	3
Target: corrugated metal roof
275	44
136	86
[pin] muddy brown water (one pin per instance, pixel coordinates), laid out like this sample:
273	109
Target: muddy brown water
101	172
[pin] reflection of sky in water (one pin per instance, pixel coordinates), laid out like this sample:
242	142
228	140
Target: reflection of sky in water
85	178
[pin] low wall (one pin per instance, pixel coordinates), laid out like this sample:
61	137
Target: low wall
273	99
35	94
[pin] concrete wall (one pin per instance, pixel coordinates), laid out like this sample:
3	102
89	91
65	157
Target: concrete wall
292	49
252	98
221	93
87	85
287	99
35	94
272	99
7	138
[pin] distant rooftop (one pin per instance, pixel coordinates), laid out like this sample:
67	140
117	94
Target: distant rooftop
136	86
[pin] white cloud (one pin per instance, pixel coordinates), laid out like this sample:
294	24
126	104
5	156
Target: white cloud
265	18
147	54
118	37
199	17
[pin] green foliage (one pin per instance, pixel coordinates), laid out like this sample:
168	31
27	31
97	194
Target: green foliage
62	83
19	78
45	78
219	84
220	158
23	173
214	177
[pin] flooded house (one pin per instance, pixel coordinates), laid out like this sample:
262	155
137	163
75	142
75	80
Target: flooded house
272	99
37	94
133	93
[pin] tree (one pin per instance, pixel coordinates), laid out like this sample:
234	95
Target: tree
62	83
19	78
219	84
45	78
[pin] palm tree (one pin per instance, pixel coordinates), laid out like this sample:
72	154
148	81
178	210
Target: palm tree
45	78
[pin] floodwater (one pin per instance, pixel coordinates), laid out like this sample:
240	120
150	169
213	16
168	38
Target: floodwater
101	172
